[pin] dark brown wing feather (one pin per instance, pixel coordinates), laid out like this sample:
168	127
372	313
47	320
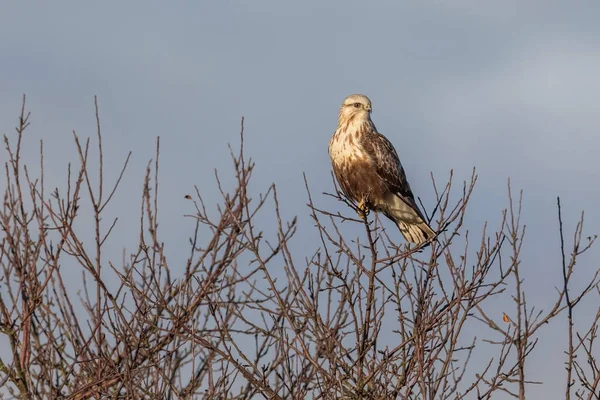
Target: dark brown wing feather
388	166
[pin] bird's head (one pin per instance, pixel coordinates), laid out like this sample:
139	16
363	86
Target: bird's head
355	107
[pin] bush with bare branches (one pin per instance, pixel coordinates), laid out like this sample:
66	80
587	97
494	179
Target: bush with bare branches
247	317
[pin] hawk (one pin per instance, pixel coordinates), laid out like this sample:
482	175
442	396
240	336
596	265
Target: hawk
368	170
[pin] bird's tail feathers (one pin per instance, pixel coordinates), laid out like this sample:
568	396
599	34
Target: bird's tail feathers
409	220
418	233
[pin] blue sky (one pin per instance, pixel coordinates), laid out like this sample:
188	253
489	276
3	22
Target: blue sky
511	88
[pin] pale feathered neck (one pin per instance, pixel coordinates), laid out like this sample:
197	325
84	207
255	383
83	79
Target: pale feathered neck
353	124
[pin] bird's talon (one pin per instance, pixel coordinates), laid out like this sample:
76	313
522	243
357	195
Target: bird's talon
363	210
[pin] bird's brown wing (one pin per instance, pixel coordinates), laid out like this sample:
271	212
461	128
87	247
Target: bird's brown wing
388	166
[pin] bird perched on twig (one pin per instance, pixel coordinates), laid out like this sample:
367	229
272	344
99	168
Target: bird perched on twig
368	170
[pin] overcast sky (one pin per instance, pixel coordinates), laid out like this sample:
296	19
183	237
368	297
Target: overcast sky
511	88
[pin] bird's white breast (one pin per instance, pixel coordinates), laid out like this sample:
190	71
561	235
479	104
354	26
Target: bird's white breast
345	146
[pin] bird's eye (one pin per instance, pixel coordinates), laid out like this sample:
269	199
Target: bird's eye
357	105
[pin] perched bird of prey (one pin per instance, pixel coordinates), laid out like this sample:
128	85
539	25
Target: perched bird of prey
368	170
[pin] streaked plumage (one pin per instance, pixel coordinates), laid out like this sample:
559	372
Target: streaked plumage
368	170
